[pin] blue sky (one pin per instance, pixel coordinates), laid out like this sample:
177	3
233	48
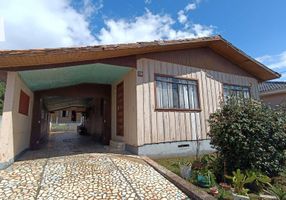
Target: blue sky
258	27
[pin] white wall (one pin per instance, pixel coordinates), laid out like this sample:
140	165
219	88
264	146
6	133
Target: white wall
16	128
130	136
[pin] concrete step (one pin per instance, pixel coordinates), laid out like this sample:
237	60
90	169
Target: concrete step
117	145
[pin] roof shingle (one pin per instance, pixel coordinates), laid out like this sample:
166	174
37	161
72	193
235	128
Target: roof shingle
271	86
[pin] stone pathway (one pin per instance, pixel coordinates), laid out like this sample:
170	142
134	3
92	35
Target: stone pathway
85	176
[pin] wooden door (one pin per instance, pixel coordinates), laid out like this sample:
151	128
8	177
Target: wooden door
120	109
105	110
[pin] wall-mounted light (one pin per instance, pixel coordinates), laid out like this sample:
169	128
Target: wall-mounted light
140	73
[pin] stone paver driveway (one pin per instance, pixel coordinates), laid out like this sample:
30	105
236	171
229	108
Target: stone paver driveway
85	176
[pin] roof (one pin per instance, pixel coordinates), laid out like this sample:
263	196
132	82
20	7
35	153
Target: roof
272	86
48	58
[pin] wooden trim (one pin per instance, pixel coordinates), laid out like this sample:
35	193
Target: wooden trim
118	131
124	61
174	76
176	109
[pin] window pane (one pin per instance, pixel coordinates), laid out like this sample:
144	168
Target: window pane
159	94
193	97
165	95
186	97
175	96
170	95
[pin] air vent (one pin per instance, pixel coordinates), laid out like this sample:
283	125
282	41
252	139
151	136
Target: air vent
183	145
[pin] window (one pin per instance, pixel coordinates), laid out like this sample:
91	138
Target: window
64	113
236	90
176	93
24	103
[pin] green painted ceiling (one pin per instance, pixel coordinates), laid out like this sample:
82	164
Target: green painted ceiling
61	77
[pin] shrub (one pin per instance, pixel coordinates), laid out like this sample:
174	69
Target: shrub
249	135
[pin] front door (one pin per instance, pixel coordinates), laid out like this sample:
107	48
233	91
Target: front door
120	109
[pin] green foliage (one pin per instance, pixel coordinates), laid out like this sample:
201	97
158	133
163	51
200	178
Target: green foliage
205	178
277	191
239	180
2	94
260	181
249	135
202	171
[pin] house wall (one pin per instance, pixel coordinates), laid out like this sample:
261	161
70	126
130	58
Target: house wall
169	126
57	117
274	99
16	127
204	58
130	123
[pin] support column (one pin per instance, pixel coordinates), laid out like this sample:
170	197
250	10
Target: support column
16	127
6	133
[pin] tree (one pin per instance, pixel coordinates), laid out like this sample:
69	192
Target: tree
249	135
2	94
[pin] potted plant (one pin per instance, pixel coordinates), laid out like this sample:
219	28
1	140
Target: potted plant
205	178
238	181
260	181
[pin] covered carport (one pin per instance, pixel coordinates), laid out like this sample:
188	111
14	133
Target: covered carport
33	92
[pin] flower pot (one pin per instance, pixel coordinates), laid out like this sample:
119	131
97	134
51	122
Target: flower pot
185	171
214	191
203	181
239	197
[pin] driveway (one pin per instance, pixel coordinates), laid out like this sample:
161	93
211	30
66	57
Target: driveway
84	176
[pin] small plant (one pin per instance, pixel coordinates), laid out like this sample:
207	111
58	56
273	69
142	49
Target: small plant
206	178
277	191
260	180
239	180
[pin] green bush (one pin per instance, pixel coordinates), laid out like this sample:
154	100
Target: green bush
2	94
249	135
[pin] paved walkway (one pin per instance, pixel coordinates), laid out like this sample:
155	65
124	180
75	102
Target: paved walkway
80	175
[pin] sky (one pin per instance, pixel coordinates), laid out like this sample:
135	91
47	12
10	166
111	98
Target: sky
258	27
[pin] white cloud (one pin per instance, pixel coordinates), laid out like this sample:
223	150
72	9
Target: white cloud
148	1
276	62
183	14
89	7
182	18
191	6
39	24
148	27
54	23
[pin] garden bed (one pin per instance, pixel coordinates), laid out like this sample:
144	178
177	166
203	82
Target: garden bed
173	164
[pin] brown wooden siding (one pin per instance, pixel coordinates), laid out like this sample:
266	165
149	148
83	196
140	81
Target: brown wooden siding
164	126
204	58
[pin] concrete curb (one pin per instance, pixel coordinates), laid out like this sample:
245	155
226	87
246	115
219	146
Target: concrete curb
189	189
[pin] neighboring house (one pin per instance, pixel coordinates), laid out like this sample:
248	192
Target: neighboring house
68	115
273	93
156	97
